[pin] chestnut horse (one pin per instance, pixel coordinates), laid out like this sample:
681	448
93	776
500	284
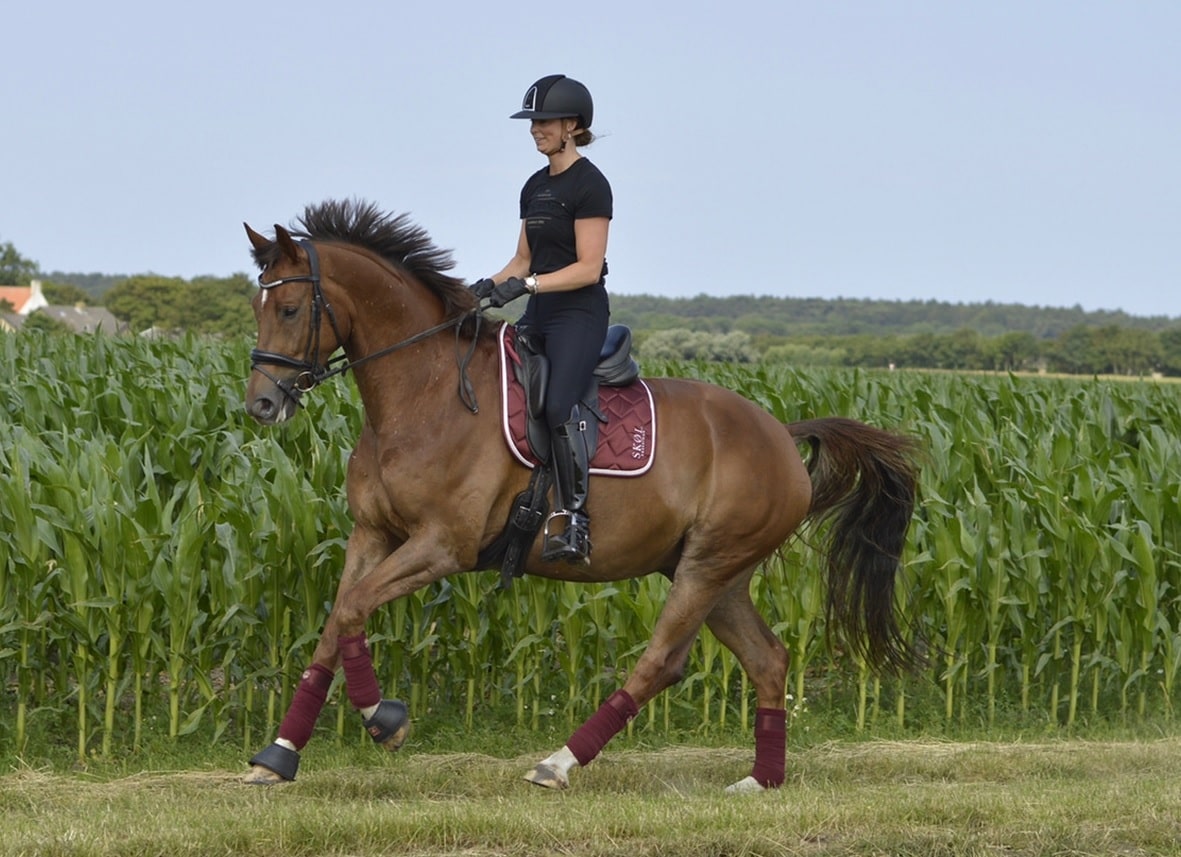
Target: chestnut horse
431	483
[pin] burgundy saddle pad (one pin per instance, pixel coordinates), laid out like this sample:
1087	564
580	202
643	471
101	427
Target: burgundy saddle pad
627	441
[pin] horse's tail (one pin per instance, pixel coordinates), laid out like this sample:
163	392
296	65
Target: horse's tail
863	496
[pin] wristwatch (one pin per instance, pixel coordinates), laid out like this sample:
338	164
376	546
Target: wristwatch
531	284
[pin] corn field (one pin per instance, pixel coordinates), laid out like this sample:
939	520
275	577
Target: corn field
166	565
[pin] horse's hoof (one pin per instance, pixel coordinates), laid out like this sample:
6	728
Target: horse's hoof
746	786
550	778
262	776
390	724
273	764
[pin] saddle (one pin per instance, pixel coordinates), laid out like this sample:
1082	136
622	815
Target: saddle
621	426
622	432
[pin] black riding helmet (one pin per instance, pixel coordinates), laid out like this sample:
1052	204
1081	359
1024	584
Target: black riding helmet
557	97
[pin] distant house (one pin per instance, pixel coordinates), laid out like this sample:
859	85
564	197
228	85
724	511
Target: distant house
24	299
86	319
27	300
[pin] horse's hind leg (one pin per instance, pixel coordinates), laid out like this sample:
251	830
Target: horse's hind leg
739	627
690	599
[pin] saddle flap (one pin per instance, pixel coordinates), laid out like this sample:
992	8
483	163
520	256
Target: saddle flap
532	369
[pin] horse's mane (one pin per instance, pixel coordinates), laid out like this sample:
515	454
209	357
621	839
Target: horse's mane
393	237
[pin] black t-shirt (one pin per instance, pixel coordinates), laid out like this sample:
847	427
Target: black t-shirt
551	204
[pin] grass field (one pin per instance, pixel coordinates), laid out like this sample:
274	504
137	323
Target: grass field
865	798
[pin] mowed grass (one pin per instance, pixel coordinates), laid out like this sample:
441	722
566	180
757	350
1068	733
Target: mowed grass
898	798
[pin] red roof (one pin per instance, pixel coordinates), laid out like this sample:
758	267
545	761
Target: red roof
16	295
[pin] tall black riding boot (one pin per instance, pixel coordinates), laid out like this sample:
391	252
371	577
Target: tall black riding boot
571	460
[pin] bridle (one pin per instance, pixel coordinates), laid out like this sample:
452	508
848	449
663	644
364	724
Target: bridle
312	372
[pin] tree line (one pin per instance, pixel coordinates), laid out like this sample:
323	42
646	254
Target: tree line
210	306
767	316
1081	350
742	328
902	334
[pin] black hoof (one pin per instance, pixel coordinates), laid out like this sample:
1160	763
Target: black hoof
390	724
279	759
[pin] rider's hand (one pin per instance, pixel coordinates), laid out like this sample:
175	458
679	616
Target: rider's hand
509	290
482	288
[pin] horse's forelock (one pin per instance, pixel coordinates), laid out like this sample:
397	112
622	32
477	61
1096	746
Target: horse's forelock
266	255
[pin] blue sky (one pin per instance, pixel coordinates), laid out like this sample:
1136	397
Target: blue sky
1015	152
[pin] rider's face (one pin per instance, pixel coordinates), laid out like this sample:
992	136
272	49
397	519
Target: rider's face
548	134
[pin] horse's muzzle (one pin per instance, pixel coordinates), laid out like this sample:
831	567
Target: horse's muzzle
271	399
267	410
272	402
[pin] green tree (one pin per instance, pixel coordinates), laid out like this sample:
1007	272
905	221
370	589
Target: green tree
219	306
920	351
868	350
15	269
207	305
675	344
960	350
1122	351
1170	344
64	294
681	344
802	354
1074	352
148	301
1012	352
39	322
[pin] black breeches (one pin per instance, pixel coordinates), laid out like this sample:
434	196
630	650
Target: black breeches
573	339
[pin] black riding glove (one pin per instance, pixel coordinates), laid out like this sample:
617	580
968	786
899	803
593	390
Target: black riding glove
509	290
482	288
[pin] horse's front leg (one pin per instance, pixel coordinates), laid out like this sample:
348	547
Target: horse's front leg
372	577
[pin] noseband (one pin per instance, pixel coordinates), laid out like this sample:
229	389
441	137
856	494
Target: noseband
312	372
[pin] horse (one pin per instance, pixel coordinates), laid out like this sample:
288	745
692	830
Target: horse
431	482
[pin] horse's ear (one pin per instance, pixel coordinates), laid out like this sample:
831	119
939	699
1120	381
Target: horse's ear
287	244
259	242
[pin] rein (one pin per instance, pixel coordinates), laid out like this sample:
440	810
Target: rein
312	373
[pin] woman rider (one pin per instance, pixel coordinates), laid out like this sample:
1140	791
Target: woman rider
560	262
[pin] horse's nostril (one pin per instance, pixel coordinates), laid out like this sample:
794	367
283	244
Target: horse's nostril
262	409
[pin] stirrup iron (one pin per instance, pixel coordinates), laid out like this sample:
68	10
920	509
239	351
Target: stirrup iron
572	544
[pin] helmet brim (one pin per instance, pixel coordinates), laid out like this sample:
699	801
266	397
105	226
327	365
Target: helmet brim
543	114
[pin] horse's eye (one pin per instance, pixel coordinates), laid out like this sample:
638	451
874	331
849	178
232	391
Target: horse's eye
289	311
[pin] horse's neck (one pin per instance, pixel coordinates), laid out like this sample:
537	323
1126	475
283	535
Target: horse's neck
411	383
416	386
